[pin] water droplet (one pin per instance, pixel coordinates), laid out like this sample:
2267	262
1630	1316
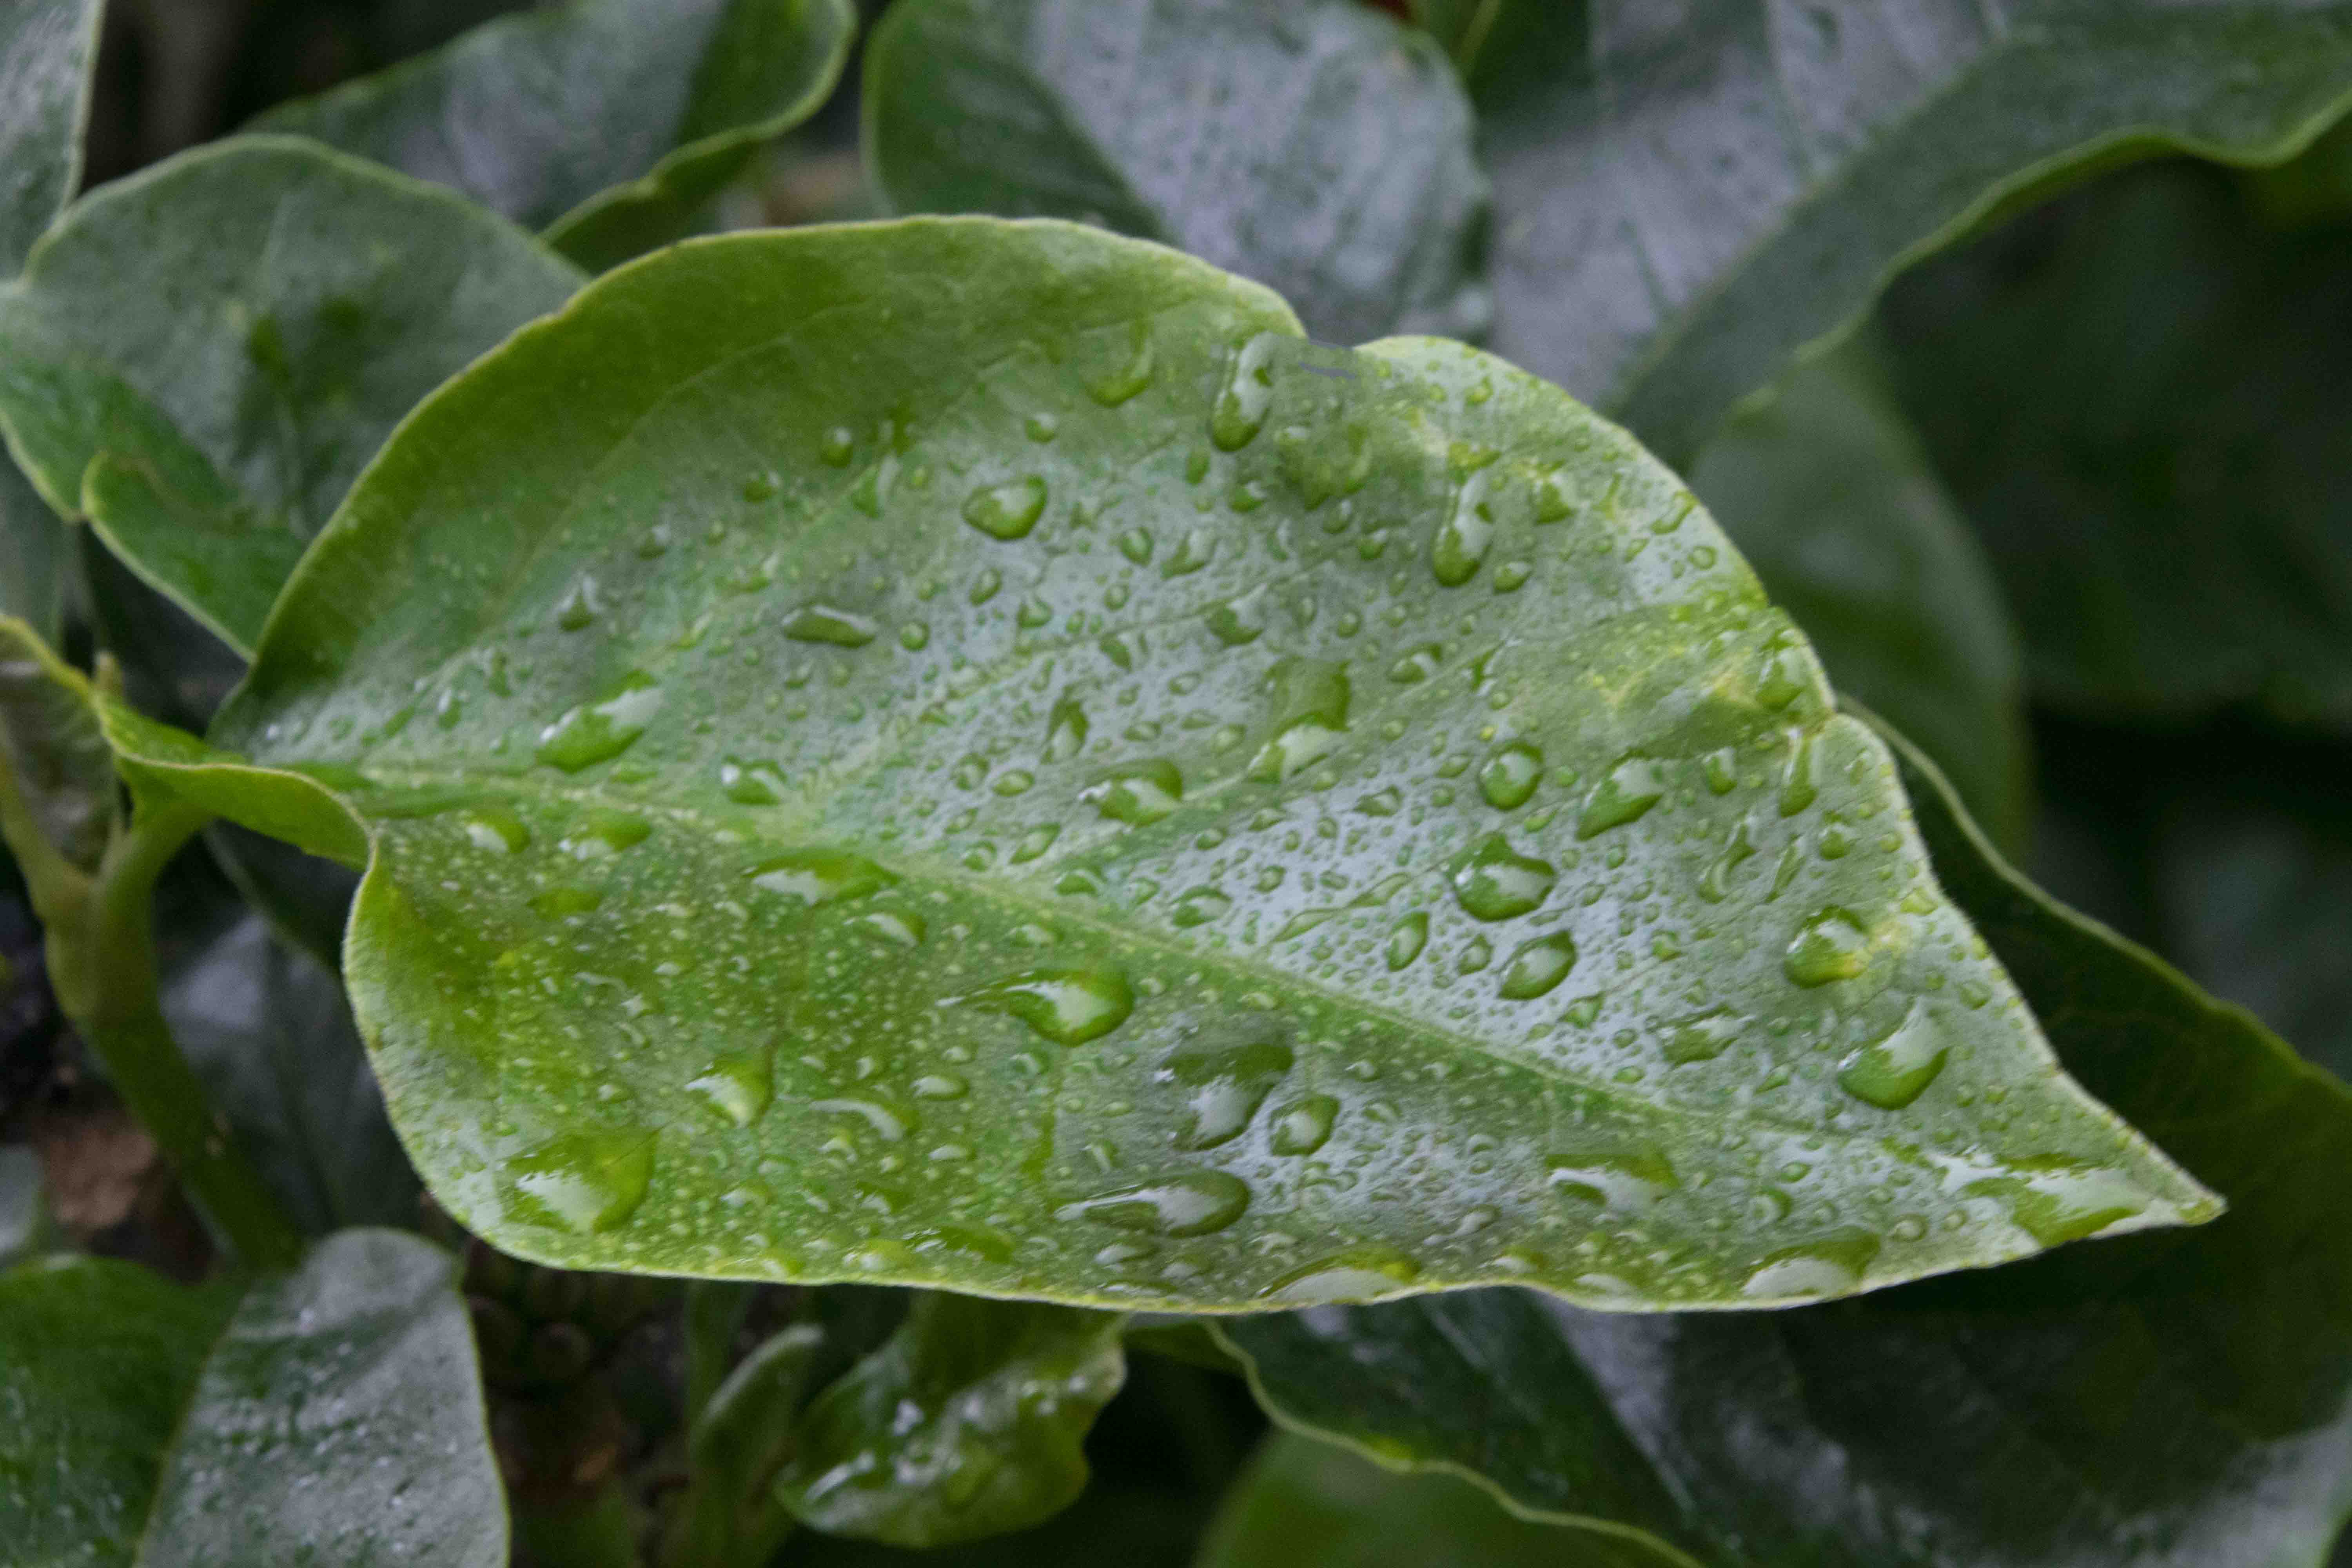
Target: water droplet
605	834
1066	731
1304	1126
579	608
1624	795
759	487
900	928
1462	539
889	1123
1225	1086
2064	1203
1494	882
1537	965
1199	907
1008	511
1702	1036
1893	1072
1136	544
1035	842
915	636
1407	938
1834	945
1068	1006
1416	665
496	830
1239	621
823	624
1040	427
1833	1267
1715	884
1625	1174
1132	376
984	586
1198	548
1138	794
753	782
562	903
584	1182
1359	1275
1190	1202
1509	778
1240	407
819	876
1477	955
834	447
942	1086
738	1085
599	731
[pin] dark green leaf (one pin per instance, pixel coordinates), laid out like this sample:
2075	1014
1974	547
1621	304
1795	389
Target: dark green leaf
2176	1399
1826	490
46	48
54	758
1685	197
268	1030
1305	1504
608	122
33	554
732	1513
1317	147
2161	495
968	1423
200	357
329	1414
1059	787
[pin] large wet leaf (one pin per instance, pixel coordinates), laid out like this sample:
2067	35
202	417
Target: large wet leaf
1320	148
2160	496
200	359
326	1414
46	49
608	122
967	1424
1305	1504
1827	495
1061	788
1686	195
2175	1399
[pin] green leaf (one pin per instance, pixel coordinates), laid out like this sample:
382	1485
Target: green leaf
740	1438
1827	493
46	49
330	1414
2177	1398
607	122
1684	201
1060	787
54	758
968	1423
1321	148
34	555
1305	1504
268	1030
2158	496
200	357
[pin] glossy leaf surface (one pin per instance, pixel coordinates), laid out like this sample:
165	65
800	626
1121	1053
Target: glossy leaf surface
1305	1504
1060	787
46	48
200	358
2175	1399
327	1414
2159	496
607	122
33	553
1686	196
1320	148
967	1424
1827	493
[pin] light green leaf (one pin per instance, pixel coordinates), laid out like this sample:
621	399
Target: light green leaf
1060	787
1320	148
968	1423
268	1030
607	122
1305	1504
1827	494
1687	198
2159	495
326	1414
46	49
200	357
2174	1399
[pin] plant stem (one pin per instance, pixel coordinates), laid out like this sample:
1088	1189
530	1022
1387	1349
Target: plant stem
101	957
